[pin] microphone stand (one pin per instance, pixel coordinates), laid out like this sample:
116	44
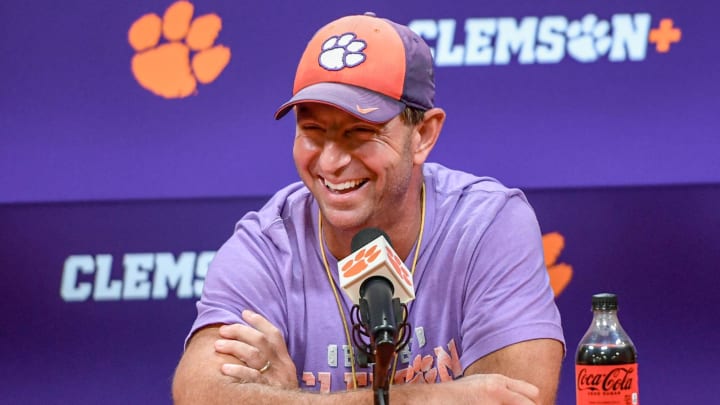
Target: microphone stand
381	378
381	397
382	345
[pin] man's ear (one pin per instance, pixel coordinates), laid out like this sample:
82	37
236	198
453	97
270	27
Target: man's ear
428	131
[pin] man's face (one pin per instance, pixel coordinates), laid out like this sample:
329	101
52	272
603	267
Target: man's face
359	172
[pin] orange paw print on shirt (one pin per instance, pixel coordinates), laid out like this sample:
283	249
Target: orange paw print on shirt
167	69
560	273
360	261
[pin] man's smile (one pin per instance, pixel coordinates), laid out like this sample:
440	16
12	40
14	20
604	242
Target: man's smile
343	187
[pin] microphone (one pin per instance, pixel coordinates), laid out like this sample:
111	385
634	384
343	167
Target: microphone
380	284
375	278
374	273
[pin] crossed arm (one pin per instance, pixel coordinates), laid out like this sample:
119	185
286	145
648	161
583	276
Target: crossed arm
221	363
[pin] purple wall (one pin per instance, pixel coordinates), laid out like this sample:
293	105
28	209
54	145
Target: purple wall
656	247
109	193
529	98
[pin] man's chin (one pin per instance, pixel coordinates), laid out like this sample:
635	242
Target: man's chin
345	221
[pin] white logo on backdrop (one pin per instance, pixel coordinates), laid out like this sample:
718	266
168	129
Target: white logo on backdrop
142	276
588	40
535	40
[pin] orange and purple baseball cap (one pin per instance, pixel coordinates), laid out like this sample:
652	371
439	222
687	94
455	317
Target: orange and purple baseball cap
368	66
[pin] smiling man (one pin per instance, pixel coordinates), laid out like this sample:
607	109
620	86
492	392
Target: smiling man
272	326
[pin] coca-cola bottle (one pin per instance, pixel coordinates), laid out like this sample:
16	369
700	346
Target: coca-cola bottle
606	369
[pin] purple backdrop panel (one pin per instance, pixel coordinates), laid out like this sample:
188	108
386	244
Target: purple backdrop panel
98	297
657	248
538	94
81	333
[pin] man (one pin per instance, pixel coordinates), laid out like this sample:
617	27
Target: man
272	326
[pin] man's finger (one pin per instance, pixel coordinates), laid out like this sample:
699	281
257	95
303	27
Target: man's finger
259	322
239	372
523	388
248	354
238	331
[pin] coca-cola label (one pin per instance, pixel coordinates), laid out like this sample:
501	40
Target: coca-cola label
615	384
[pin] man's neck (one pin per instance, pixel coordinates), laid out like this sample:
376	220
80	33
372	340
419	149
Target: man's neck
402	227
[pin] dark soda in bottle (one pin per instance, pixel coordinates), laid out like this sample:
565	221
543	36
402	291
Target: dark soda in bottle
606	369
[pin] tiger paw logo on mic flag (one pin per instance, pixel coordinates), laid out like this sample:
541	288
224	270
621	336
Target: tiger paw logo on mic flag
376	258
365	258
360	261
173	68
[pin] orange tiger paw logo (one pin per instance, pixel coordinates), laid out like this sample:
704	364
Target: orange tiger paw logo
174	68
360	261
560	273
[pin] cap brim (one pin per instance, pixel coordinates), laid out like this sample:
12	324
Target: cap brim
364	104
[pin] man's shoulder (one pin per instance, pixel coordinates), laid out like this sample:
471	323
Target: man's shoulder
459	200
450	182
289	199
289	207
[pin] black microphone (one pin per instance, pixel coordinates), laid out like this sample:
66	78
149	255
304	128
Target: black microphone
376	279
377	293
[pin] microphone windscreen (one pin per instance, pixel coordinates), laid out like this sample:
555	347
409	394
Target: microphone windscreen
366	236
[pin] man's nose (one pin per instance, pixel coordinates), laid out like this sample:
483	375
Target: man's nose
333	157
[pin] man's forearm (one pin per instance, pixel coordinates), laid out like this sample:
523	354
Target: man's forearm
199	380
254	393
474	389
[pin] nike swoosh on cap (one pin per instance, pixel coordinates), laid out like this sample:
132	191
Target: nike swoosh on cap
365	110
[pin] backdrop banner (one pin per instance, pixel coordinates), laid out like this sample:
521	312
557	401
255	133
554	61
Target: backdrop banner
98	104
128	152
98	297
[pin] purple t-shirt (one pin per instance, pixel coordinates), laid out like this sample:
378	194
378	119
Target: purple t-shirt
480	282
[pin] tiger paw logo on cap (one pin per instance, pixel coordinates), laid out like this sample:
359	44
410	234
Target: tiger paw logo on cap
168	69
341	52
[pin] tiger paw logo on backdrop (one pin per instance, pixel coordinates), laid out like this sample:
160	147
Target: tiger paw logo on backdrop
172	68
560	273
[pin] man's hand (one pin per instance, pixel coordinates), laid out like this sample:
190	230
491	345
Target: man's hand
261	350
535	361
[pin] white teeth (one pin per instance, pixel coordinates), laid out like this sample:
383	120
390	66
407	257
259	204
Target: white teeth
342	186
